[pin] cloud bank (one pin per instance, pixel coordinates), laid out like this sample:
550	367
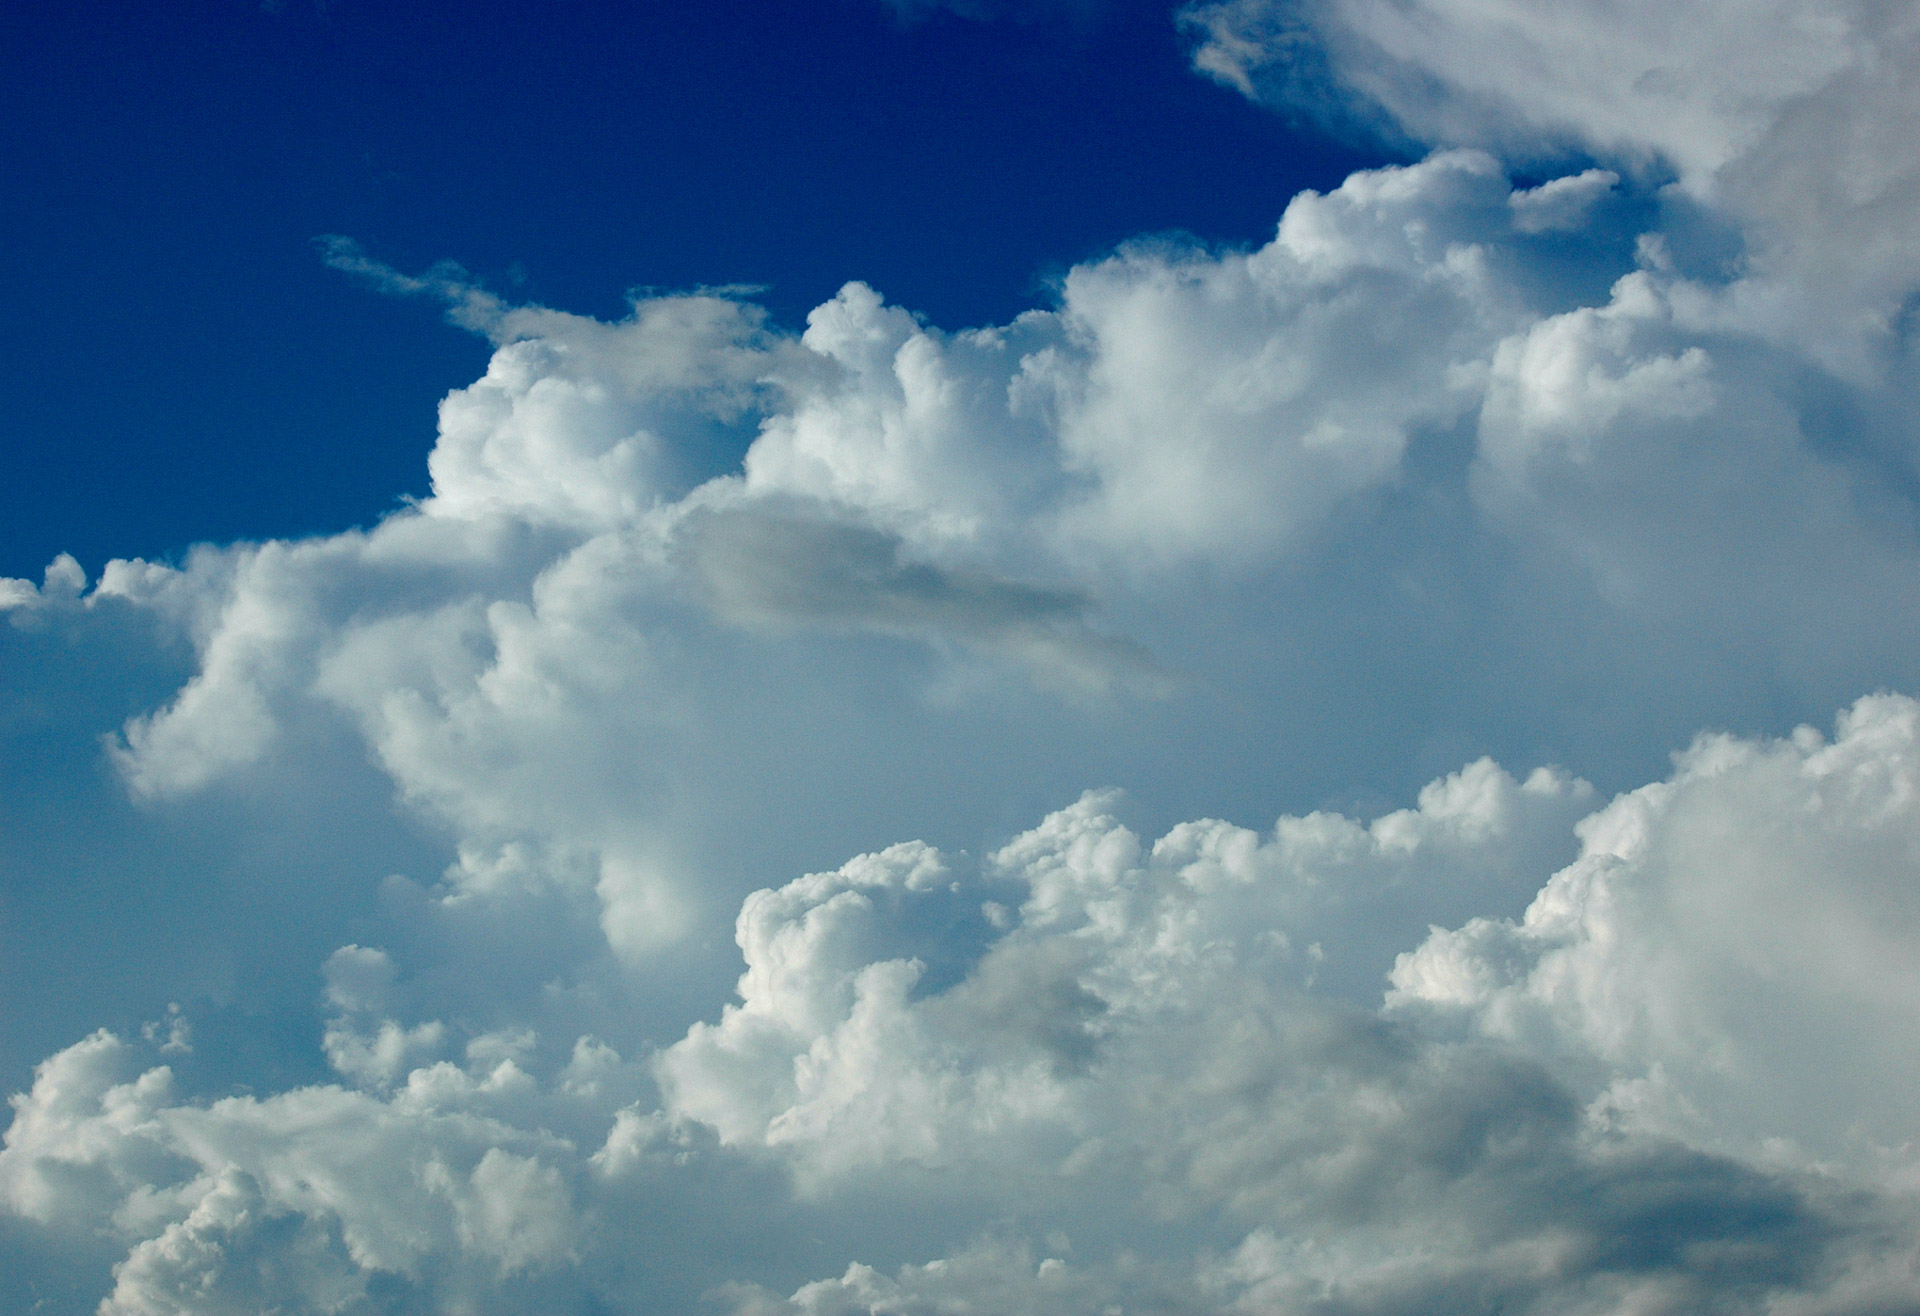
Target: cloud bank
1456	470
1091	1070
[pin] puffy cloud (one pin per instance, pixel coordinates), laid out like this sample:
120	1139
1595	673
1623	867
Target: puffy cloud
1122	957
301	1200
995	1277
1778	114
64	581
529	652
1448	467
534	653
1699	82
1570	378
1562	204
231	1255
79	1140
1733	946
1233	403
1180	402
1092	1071
1140	1029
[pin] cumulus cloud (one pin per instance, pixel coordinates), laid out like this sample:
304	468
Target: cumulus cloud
1400	417
298	1200
988	495
1698	82
63	582
1093	1070
1144	1026
1734	944
1453	470
1777	116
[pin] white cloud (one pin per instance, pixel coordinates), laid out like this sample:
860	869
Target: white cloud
528	653
993	1277
1699	82
1121	955
1735	945
63	582
1778	114
233	1255
1570	378
697	604
1095	1071
1561	204
299	1199
531	652
1141	1031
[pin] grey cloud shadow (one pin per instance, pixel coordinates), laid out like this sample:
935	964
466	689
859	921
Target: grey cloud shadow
777	568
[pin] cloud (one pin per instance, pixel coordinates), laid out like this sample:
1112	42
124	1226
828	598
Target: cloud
1778	115
1563	204
1401	420
1093	1070
302	1199
502	647
1734	944
1699	83
64	581
1452	471
1144	1022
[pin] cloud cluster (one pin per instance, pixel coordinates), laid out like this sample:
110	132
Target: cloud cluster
1733	947
1452	470
1092	1071
542	651
1776	120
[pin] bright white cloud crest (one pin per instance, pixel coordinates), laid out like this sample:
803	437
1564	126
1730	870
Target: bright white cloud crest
698	605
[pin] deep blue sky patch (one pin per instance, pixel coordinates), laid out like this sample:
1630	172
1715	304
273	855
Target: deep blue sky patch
181	367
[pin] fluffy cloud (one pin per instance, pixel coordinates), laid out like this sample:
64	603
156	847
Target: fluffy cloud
1448	471
1144	1028
1093	1071
299	1200
542	654
1701	83
514	651
1779	116
1733	946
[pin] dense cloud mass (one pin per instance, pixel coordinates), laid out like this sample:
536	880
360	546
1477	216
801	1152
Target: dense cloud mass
1092	1071
1504	487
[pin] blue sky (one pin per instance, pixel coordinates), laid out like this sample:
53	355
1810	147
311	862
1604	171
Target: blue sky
848	658
189	371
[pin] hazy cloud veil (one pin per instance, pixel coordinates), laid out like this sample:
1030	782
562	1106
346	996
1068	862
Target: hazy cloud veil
840	639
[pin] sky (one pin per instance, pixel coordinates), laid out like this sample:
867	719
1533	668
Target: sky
894	657
180	161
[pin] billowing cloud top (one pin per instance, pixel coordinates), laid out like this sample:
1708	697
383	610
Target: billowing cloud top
1452	471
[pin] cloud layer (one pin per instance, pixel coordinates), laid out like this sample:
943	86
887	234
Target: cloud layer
1453	471
1090	1070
